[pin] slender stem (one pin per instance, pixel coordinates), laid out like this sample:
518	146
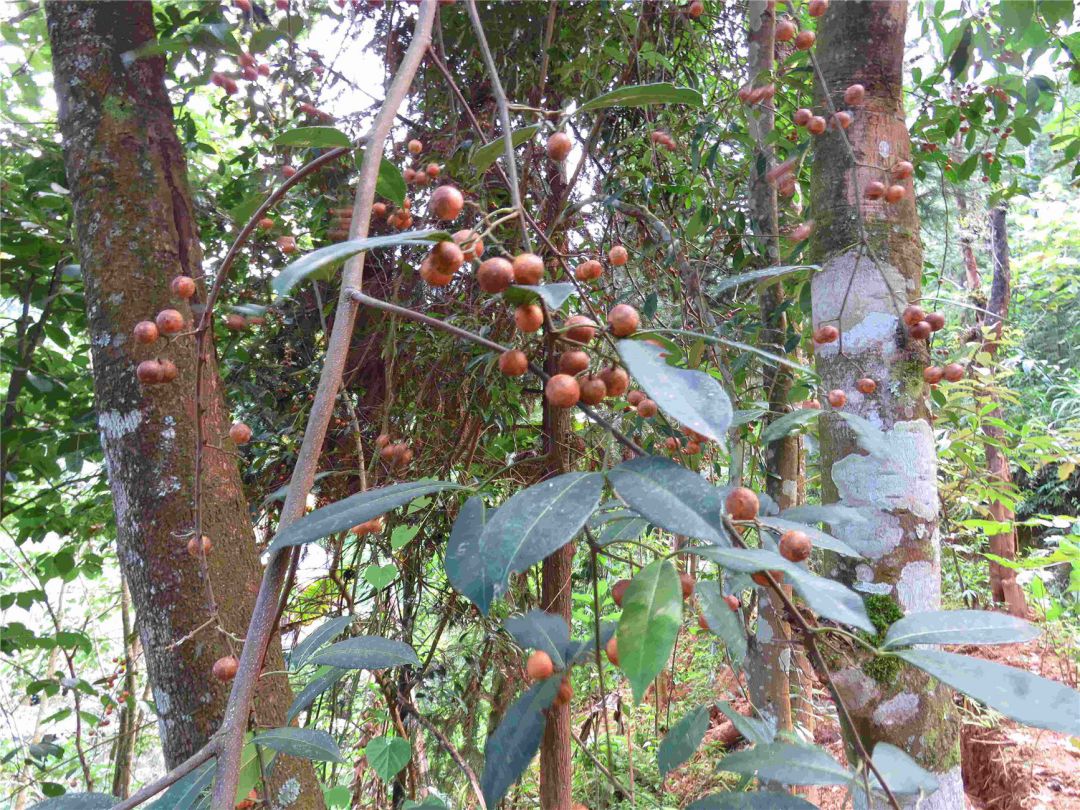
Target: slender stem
455	755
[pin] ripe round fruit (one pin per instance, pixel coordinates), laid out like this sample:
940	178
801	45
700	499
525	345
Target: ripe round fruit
183	287
802	117
529	317
618	256
616	379
593	390
513	363
865	385
920	331
687	583
732	601
579	328
635	397
692	448
266	224
559	146
470	244
795	546
169	371
646	409
826	334
933	374
816	125
623	320
854	95
588	270
494	275
874	190
431	275
150	372
145	332
446	258
671	443
382	440
566	693
742	504
895	193
169	321
902	170
539	665
817	8
415	147
612	650
618	589
695	9
761	580
841	120
785	31
573	362
197	549
953	372
224	669
912	314
528	268
235	322
805	40
936	321
836	398
562	391
433	170
240	433
446	202
802	231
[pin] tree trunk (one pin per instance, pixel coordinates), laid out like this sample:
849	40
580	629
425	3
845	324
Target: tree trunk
861	289
1003	582
136	230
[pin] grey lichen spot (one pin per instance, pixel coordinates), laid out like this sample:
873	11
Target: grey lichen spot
116	425
919	586
855	686
897	710
289	792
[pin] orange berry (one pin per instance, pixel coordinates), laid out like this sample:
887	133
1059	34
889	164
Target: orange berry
612	650
169	321
618	590
761	580
529	317
816	125
895	193
562	391
817	8
795	546
235	322
646	408
635	397
802	117
936	321
224	669
826	334
854	95
912	314
836	398
742	504
470	243
415	147
573	362
732	601
145	332
593	390
183	287
446	202
494	275
623	320
902	170
559	146
686	582
618	256
199	549
566	693
539	665
865	385
240	433
528	268
150	372
874	190
616	379
920	331
579	329
785	31
933	374
953	372
805	40
589	270
513	363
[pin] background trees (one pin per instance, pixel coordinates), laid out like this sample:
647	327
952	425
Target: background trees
679	210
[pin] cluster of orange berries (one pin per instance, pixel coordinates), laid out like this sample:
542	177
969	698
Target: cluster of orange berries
397	454
418	175
742	504
167	322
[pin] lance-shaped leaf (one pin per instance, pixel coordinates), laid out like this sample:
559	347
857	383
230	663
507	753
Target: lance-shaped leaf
754	276
388	755
330	255
517	739
367	652
554	295
958	627
306	743
356	509
531	525
578	651
902	774
313	136
487	154
684	738
778	359
621	529
758	730
1019	695
820	539
832	513
323	634
652	612
389	183
787	764
721	619
322	681
765	800
779	428
540	630
670	496
641	95
692	398
463	560
76	801
188	790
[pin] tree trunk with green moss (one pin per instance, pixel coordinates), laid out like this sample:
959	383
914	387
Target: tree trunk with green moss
871	259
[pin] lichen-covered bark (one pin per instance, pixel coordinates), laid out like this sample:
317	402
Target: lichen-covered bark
862	289
136	231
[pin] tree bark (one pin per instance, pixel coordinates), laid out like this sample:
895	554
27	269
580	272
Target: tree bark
861	289
136	230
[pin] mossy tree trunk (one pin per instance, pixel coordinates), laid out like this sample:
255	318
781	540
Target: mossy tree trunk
136	231
871	259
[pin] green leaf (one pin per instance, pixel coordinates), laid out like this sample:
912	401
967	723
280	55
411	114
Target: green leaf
652	612
902	774
353	510
388	755
619	528
751	801
487	154
823	513
1019	695
692	398
540	630
669	495
315	687
306	743
757	730
313	136
789	422
958	627
187	790
390	183
819	538
771	273
554	295
682	740
324	633
528	527
788	764
463	550
640	95
721	619
294	273
379	576
515	742
429	803
77	801
779	359
367	652
339	796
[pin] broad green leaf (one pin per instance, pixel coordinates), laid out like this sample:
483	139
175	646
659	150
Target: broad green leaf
553	295
832	513
1019	695
338	796
306	743
788	423
531	525
353	510
367	652
754	276
669	495
313	136
379	576
324	633
388	755
787	764
463	568
429	803
652	612
641	95
618	530
692	398
757	730
390	183
902	774
293	274
322	681
540	630
77	801
820	539
487	154
188	790
721	619
751	801
517	739
958	627
240	214
779	359
684	738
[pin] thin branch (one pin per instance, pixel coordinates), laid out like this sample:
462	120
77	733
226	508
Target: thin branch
455	755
